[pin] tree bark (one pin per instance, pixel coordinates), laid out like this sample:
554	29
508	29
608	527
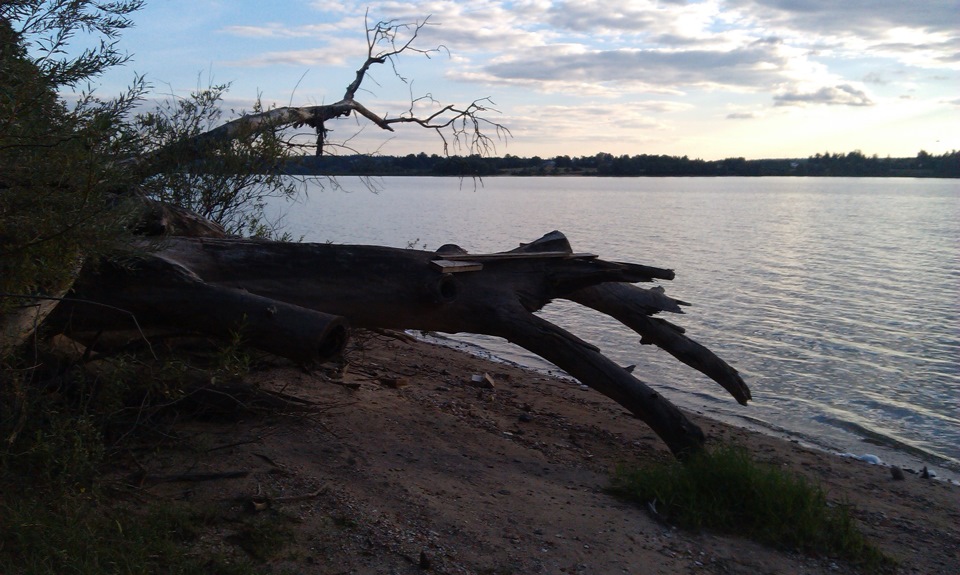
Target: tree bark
632	306
149	292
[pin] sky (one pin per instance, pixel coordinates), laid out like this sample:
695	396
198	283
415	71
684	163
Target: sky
707	79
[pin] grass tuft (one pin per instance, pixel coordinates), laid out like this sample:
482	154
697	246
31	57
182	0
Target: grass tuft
725	490
78	534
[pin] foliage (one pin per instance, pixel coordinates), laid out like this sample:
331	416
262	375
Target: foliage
726	490
48	26
66	171
853	164
57	180
59	424
79	534
227	181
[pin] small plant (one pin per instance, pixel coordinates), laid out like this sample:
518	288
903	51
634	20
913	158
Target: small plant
79	534
264	537
725	490
234	360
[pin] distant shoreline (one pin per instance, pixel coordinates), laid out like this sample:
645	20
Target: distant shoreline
854	164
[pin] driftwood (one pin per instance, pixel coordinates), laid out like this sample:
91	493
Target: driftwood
295	300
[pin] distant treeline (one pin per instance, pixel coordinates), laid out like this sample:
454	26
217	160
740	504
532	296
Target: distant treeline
855	164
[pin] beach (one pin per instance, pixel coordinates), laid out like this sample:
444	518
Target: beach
397	461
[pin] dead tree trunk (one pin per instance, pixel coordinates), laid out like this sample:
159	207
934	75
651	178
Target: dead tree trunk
151	293
281	293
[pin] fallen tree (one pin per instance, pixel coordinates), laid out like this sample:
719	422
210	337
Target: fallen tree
175	165
296	299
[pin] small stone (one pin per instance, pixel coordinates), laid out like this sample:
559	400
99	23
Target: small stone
482	381
393	382
425	562
526	417
897	473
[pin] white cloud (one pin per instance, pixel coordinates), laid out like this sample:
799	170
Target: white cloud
323	56
278	30
609	126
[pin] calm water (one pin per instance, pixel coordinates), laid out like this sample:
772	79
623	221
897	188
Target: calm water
837	299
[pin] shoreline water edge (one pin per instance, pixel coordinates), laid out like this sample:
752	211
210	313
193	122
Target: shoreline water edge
913	461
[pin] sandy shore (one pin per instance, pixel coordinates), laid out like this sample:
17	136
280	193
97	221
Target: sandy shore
406	466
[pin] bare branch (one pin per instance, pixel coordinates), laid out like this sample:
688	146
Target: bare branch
465	128
384	33
466	125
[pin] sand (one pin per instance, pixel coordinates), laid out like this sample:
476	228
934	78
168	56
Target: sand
404	465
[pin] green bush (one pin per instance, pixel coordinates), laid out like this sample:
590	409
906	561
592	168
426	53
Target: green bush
725	490
57	178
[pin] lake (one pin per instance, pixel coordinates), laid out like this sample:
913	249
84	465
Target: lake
838	299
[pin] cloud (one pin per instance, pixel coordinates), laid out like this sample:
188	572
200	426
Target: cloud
751	67
586	124
313	57
461	26
741	116
661	106
875	77
277	30
672	22
922	34
862	17
268	30
842	95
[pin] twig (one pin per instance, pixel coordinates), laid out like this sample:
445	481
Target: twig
133	317
238	443
392	333
192	477
292	498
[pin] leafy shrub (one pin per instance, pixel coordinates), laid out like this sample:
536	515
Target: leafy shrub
725	490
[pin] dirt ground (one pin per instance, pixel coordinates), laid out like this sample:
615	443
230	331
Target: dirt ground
404	465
